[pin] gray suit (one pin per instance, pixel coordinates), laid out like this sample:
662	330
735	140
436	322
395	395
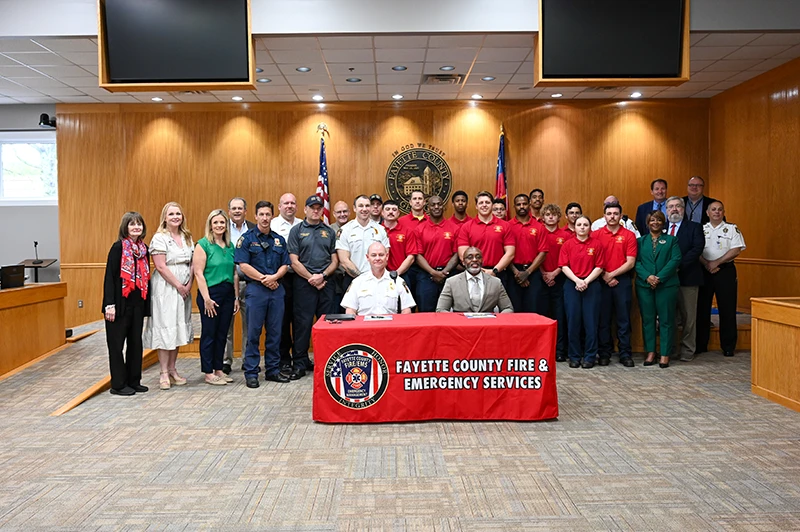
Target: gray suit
455	295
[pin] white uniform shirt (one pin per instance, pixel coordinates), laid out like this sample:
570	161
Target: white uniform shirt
370	295
356	239
720	239
282	226
627	224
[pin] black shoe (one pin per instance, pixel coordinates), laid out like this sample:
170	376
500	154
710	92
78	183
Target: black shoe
574	364
561	358
138	388
127	390
297	374
587	365
604	362
276	377
627	362
310	367
663	366
727	353
286	369
252	382
226	369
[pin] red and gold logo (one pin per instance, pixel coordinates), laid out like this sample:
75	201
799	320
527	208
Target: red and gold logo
401	237
534	231
498	229
448	235
590	251
560	241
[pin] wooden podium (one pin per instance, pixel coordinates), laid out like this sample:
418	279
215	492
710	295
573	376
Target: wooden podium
776	349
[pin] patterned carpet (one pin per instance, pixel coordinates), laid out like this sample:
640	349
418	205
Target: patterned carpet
685	448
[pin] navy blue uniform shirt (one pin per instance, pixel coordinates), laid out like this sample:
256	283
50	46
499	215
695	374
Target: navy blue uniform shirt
264	252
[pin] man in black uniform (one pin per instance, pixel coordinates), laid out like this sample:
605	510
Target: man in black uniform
312	250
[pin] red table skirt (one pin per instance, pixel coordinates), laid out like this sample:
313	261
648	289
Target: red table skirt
435	366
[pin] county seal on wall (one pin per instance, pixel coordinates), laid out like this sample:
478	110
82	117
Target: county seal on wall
421	168
356	376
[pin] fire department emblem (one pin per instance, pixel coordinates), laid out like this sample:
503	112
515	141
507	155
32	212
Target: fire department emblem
356	376
418	169
590	251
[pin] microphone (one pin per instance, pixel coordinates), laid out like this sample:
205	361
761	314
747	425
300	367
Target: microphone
36	252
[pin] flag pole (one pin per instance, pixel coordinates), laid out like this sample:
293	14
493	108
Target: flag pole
322	179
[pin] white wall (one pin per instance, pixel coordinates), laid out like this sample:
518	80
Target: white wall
21	225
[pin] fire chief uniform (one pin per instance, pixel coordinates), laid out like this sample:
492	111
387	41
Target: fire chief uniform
356	239
489	237
616	301
313	244
530	240
266	253
437	244
724	284
368	294
553	296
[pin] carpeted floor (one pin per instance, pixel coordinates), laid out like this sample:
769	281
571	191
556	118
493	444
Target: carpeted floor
684	448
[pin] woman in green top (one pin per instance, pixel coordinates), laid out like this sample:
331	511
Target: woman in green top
217	294
657	287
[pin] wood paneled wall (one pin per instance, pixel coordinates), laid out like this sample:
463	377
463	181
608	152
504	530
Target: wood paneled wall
755	169
114	158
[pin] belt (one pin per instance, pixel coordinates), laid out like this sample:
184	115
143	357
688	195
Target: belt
523	266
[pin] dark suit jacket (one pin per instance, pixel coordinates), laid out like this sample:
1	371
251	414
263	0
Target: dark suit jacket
455	295
706	202
691	241
112	284
641	215
663	265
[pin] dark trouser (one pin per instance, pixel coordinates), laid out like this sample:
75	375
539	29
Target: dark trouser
505	277
287	328
308	302
127	370
338	291
583	314
657	304
413	277
525	299
214	331
264	309
724	284
346	282
615	303
553	297
428	292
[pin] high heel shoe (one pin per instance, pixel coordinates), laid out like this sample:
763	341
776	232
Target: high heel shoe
175	378
163	382
650	361
663	365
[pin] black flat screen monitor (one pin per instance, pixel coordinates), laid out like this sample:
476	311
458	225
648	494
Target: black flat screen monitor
611	38
173	41
12	276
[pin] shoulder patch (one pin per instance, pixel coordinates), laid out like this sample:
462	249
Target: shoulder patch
239	242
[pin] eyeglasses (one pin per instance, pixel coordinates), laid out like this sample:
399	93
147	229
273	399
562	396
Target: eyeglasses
695	185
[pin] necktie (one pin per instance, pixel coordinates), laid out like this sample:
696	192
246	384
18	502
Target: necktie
475	294
658	206
672	230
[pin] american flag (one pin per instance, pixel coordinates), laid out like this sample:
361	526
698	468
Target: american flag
501	183
322	183
336	377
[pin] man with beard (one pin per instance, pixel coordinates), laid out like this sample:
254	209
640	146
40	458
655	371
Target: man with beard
530	251
473	290
537	201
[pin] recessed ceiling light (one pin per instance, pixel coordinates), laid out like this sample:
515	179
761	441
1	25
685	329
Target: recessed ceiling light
259	70
156	99
399	68
397	96
353	80
317	98
636	94
263	80
237	98
476	96
556	95
303	69
488	78
447	68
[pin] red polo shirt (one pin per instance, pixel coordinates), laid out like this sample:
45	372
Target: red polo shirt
435	242
489	237
581	257
529	238
554	240
399	239
412	221
616	247
458	222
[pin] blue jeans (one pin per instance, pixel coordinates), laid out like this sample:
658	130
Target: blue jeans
214	331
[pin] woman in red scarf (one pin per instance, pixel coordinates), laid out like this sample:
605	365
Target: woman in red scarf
126	303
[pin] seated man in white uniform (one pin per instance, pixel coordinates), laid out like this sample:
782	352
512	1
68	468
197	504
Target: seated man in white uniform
375	291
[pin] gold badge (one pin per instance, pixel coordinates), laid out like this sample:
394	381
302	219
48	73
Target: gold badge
239	242
323	233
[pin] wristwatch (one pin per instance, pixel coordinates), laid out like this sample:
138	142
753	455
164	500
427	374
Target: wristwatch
495	271
324	276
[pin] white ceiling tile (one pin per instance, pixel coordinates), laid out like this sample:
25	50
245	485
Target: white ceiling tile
117	98
277	98
728	39
744	76
499	40
308	79
79	99
40	99
437	96
81	58
503	54
263	56
274	80
268	70
359	69
692	86
438	88
40	81
19	45
290	43
197	98
791	53
16	91
91	69
697	65
524	88
17	71
37	59
68	45
300	57
777	39
398	89
312	89
411	68
522	95
725	85
358	97
399	56
705	94
675	94
433	68
711	53
290	69
769	64
757	52
8	101
501	67
269	88
401	41
345	42
523	79
455	41
357	89
499	79
93	91
63	71
83	82
7	61
399	79
694	38
365	79
364	55
732	65
449	56
711	76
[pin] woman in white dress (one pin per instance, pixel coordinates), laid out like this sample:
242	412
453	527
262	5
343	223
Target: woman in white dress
170	323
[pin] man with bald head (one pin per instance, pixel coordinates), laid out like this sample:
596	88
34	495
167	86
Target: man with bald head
282	224
473	290
376	291
625	221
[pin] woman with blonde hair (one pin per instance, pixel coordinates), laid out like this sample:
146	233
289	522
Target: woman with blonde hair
170	323
217	294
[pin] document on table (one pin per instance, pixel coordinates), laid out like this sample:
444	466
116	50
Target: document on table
378	317
479	315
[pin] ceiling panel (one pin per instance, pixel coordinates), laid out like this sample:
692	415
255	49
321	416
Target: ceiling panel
37	59
345	42
391	42
364	55
399	56
449	56
503	54
68	45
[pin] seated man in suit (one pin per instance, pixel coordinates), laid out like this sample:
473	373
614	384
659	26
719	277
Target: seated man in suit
473	290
